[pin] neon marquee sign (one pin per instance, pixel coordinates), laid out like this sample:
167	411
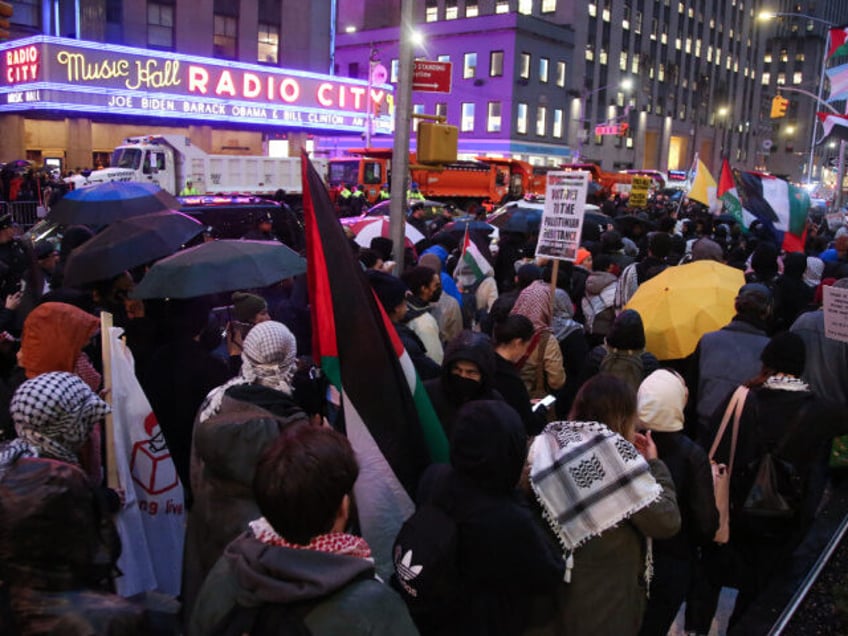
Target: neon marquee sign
49	73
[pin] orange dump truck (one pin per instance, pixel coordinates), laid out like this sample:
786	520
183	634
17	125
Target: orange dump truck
484	180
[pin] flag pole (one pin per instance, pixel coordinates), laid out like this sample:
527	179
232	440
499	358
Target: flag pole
106	322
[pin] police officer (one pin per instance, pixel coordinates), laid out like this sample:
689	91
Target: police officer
264	230
414	193
14	257
357	200
189	190
384	194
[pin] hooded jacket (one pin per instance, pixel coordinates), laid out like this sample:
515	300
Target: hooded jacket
342	595
505	557
449	392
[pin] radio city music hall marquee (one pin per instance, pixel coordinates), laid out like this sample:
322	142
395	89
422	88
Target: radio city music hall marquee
60	74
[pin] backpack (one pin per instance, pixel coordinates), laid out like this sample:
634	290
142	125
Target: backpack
599	310
425	556
625	364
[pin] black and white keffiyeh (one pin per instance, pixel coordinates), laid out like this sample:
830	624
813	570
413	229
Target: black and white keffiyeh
268	357
53	414
588	479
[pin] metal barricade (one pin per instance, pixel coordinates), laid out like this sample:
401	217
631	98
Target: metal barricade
24	213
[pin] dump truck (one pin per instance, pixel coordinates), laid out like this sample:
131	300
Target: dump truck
463	183
170	161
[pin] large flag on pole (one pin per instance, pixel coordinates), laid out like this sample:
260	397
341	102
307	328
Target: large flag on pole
838	42
388	417
778	205
833	124
838	77
703	187
728	195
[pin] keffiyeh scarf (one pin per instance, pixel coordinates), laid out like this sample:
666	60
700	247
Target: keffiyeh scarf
588	479
332	542
268	357
53	414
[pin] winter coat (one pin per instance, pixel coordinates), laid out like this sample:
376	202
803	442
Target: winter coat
58	549
826	366
225	451
342	594
504	556
420	320
693	482
549	355
598	302
508	383
607	592
723	360
803	425
424	366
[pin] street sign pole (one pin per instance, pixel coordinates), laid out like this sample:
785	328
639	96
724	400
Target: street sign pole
400	148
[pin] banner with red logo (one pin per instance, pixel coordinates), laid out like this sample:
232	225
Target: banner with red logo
152	521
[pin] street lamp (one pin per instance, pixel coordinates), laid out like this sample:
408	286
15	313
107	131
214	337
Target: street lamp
625	85
770	15
723	113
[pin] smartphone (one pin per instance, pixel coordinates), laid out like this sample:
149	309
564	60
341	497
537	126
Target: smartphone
545	401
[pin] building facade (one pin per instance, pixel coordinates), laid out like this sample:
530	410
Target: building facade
793	64
262	38
683	75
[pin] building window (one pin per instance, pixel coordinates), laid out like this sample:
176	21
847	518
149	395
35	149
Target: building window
557	131
593	10
27	13
353	70
225	37
797	77
525	7
431	13
469	65
542	121
472	10
442	109
524	70
496	63
502	6
269	43
622	61
160	26
493	117
560	74
451	10
544	68
766	78
521	119
467	123
590	53
548	6
443	58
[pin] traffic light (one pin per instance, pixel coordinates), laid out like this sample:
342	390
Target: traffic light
6	11
437	143
778	106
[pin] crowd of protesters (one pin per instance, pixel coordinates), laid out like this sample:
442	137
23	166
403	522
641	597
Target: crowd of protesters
592	513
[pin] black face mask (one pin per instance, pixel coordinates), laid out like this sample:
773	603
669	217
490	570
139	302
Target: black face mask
460	390
436	295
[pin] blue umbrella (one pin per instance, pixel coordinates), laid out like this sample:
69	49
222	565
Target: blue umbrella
472	224
107	202
518	219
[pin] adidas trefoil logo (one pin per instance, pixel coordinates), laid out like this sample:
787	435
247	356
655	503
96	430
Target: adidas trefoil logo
407	572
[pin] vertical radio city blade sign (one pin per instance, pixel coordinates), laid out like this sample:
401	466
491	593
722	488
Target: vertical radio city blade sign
61	74
431	77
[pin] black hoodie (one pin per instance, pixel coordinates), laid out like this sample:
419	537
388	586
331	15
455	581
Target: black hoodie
449	392
504	555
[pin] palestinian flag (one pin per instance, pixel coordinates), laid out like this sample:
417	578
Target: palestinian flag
387	415
778	205
838	42
472	266
833	124
728	195
838	77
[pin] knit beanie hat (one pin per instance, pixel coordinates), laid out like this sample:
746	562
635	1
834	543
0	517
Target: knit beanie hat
662	397
785	353
246	306
390	290
705	249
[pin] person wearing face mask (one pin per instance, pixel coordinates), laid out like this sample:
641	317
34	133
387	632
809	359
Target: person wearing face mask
512	335
426	287
467	374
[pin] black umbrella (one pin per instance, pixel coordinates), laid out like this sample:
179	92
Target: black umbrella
107	202
128	243
220	266
518	219
473	225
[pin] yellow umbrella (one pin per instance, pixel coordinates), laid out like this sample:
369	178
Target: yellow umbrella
682	303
